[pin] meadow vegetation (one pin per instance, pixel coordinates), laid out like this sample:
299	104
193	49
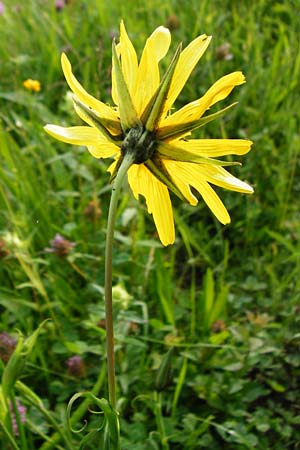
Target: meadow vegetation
225	299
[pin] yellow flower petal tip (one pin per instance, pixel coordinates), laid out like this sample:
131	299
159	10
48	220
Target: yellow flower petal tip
140	124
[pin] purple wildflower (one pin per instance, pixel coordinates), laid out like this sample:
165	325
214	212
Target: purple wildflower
60	246
59	5
1	9
76	366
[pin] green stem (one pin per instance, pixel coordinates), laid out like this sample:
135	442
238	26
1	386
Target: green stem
9	438
159	420
126	163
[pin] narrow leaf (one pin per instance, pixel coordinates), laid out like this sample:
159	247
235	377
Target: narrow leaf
209	294
219	306
164	371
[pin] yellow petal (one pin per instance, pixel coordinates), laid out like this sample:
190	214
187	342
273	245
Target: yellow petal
222	88
211	148
75	135
159	42
148	77
103	150
220	177
157	199
129	59
90	137
187	62
129	64
180	183
113	165
191	174
114	92
101	108
213	202
218	91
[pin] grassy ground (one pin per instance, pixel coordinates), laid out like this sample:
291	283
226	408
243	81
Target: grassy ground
226	298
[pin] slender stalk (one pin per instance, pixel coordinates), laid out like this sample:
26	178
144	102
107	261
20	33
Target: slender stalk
9	438
126	163
159	420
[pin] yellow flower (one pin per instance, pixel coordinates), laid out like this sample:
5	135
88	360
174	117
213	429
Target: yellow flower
32	85
140	123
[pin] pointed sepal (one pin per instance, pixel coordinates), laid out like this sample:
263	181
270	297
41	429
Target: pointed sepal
153	111
178	130
101	123
157	168
128	115
171	152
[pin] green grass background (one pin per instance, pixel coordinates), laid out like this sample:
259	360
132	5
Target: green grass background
227	298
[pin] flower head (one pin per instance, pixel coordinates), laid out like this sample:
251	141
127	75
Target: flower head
32	85
76	366
59	5
60	246
164	157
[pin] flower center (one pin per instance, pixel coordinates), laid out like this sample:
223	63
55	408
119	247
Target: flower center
139	142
